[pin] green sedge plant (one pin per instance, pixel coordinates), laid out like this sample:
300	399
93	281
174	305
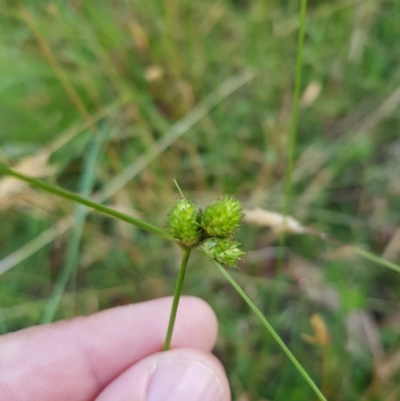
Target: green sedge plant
210	232
197	229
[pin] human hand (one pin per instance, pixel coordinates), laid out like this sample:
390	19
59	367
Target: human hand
115	355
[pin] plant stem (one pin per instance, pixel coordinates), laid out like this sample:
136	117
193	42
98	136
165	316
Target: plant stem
83	201
177	295
375	258
358	251
273	333
292	140
69	270
295	111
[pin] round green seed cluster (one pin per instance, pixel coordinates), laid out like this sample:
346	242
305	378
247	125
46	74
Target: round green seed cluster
224	250
222	217
210	230
183	223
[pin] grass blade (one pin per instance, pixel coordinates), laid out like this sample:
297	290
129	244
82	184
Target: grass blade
178	129
295	114
229	86
358	251
86	202
35	244
50	58
376	258
292	140
177	296
72	251
273	333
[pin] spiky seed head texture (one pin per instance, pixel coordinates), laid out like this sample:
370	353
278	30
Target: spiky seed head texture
222	217
183	222
223	250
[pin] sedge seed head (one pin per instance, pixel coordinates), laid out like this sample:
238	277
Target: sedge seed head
222	217
223	250
183	222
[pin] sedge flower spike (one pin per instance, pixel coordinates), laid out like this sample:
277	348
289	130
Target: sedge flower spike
183	223
222	217
223	250
210	230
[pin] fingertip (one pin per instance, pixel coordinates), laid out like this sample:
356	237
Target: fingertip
195	312
180	374
99	347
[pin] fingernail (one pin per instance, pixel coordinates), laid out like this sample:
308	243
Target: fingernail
184	380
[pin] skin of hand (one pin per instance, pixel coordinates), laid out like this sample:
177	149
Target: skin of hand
115	355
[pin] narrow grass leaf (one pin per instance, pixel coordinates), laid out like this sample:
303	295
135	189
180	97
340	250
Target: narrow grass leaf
35	244
376	258
87	202
271	330
72	251
292	141
116	183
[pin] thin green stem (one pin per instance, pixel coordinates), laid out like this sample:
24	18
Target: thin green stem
359	251
292	137
179	188
83	201
295	111
295	115
273	333
69	269
376	258
177	295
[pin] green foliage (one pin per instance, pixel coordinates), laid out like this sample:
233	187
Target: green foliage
152	76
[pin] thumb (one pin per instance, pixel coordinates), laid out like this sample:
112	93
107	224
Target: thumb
178	375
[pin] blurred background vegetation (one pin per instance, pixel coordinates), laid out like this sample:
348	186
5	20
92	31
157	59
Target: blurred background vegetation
115	99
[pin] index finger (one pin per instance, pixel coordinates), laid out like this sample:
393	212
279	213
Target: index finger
75	360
